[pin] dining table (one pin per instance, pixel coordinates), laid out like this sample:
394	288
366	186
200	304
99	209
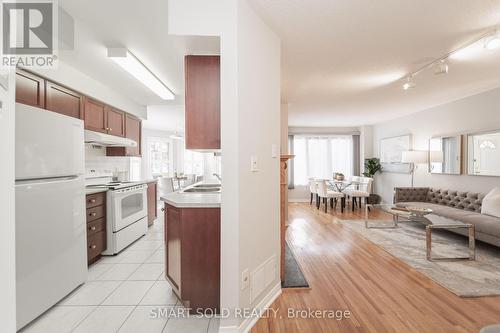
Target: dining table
341	186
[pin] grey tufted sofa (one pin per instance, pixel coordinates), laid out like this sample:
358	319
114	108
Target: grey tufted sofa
455	205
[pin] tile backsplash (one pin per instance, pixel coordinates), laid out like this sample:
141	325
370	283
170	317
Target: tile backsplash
96	159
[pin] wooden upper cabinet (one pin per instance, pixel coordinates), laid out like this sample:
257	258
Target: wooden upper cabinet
133	131
202	115
62	100
95	115
115	122
30	89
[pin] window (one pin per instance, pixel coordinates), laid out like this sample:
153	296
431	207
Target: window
321	156
159	152
193	162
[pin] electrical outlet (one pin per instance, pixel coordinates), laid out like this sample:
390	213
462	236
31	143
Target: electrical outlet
245	279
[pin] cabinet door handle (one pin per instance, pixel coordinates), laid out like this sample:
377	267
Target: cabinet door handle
92	200
92	214
93	246
92	228
111	130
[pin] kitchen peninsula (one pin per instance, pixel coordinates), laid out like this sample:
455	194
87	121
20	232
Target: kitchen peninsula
192	245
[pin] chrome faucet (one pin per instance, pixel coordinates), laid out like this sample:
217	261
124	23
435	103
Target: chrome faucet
218	177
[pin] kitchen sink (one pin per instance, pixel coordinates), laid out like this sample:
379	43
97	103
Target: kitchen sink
202	189
207	185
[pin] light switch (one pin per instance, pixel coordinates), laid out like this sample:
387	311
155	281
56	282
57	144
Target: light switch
253	164
274	150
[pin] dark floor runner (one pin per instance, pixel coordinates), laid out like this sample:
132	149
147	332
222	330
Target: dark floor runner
294	278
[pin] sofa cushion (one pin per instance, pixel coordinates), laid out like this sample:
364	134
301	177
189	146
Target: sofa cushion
483	223
491	203
467	201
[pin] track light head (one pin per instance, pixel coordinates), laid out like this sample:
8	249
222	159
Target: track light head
441	67
409	83
492	42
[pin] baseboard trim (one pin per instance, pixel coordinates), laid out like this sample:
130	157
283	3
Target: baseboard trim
248	323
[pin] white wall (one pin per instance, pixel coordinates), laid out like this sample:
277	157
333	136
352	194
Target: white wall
7	209
474	113
250	124
72	78
284	129
259	124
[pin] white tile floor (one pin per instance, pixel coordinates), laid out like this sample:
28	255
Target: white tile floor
121	294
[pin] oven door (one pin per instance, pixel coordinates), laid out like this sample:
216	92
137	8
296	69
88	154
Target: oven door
129	206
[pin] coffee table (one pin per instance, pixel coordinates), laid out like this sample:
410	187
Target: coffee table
398	213
430	220
435	222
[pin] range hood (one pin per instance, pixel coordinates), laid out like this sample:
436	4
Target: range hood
106	140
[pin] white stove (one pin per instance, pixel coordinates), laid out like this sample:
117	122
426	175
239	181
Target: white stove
127	215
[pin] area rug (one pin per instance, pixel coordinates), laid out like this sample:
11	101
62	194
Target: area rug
294	278
464	278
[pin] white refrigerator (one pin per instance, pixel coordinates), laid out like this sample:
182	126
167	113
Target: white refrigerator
51	249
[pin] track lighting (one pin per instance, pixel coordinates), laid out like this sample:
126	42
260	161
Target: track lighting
489	40
409	83
492	42
441	67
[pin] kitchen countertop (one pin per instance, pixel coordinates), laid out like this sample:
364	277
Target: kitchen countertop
193	199
94	190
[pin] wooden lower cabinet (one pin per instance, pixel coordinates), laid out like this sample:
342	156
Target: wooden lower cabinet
192	253
152	203
96	226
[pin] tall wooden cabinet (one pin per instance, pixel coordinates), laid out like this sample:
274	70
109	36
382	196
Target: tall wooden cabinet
202	109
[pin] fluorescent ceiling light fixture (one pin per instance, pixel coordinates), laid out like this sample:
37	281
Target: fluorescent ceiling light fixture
409	83
137	69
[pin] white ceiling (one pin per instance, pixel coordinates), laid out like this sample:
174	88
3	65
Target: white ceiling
140	26
165	118
343	60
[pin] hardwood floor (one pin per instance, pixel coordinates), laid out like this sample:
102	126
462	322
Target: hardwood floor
382	293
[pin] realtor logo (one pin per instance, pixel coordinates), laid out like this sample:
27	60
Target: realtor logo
29	33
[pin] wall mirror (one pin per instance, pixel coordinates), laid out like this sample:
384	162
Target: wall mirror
484	153
445	155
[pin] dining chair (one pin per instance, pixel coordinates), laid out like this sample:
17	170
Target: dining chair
189	180
325	195
165	185
313	188
361	191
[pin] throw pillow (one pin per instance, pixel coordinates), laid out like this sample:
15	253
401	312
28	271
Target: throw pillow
491	203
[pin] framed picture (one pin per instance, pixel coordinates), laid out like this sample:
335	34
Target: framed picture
391	153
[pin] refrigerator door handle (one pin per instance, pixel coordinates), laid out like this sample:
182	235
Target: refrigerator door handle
36	181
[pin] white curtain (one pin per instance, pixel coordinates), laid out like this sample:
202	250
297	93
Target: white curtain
321	156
